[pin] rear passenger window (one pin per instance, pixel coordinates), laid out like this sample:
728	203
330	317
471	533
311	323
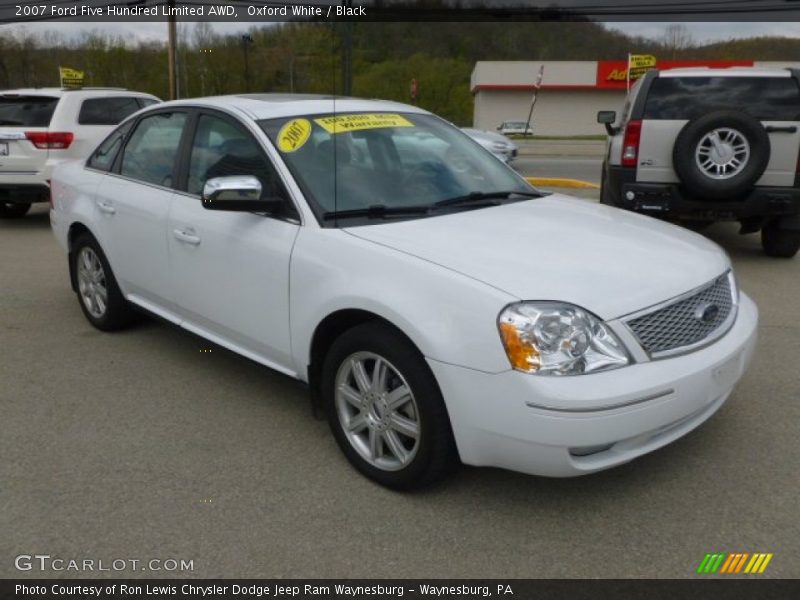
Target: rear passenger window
103	158
152	149
107	111
765	98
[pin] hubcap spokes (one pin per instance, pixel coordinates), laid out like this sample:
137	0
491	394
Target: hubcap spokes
92	282
722	153
377	411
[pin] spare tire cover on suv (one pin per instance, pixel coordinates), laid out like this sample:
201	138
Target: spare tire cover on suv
721	155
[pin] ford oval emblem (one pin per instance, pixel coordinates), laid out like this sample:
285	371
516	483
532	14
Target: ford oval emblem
706	313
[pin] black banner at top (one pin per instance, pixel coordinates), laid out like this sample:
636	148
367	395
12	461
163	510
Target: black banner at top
397	10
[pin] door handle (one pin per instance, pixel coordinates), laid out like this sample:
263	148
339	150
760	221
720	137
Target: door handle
185	236
106	207
781	129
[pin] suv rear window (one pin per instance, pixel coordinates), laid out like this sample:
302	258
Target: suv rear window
26	111
107	111
765	98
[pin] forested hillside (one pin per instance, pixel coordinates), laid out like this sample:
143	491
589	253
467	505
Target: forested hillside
307	57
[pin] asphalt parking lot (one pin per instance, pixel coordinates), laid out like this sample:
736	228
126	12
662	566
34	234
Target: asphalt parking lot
153	443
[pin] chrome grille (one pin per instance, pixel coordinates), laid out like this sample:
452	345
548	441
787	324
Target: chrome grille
680	325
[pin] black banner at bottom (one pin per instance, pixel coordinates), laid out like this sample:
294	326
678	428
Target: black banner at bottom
417	589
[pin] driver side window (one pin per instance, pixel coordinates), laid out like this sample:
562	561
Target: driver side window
150	153
221	148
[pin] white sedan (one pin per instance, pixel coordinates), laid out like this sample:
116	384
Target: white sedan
439	308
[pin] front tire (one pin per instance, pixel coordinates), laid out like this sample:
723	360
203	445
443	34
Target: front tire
779	243
14	210
385	408
99	295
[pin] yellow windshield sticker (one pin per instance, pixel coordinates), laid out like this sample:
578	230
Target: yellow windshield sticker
294	135
345	123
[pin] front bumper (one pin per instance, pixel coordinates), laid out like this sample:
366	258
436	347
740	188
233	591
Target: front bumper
569	426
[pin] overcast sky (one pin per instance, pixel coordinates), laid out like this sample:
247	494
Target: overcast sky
702	32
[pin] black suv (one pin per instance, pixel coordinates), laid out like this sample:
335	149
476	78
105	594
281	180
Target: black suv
700	145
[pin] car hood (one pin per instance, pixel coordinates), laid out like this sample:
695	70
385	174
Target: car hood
609	261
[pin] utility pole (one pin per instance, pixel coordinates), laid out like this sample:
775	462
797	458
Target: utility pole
246	41
347	54
171	37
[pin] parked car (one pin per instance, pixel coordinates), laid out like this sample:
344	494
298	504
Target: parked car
438	307
703	145
497	144
515	128
41	127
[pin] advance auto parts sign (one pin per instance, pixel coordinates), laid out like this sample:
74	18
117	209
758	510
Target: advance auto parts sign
345	123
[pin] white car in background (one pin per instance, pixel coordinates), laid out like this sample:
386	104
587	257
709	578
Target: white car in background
499	145
515	128
41	127
438	307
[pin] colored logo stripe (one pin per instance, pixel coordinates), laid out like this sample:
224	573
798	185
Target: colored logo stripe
733	563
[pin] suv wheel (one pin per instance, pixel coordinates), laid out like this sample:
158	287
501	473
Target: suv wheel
385	408
14	210
99	295
721	155
780	243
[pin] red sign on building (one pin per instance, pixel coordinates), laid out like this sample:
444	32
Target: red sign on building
613	74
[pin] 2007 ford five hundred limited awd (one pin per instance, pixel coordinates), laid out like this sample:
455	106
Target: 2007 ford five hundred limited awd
438	306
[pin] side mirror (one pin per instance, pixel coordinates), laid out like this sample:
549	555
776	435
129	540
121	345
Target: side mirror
608	118
236	193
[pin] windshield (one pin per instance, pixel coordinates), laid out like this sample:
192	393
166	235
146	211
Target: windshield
397	163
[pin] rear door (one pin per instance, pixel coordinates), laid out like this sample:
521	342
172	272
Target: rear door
133	204
673	101
21	118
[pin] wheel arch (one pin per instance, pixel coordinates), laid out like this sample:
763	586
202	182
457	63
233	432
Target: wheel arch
328	330
75	230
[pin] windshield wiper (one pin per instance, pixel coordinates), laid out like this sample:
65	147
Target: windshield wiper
377	211
481	197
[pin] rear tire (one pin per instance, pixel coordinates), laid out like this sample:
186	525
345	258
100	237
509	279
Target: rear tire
14	210
99	295
385	408
779	243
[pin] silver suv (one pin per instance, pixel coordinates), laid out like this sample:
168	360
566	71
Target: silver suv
41	127
700	145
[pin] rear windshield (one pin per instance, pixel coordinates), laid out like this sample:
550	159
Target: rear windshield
26	111
765	98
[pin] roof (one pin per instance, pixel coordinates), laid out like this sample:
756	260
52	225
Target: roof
730	72
268	106
58	92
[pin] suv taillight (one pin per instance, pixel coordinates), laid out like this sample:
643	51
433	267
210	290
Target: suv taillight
630	145
50	140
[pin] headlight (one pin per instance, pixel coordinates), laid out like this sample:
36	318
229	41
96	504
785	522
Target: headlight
552	338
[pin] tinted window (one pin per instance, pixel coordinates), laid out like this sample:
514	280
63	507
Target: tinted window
767	99
27	111
221	148
103	157
106	111
152	148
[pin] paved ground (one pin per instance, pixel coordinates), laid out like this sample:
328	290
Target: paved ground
138	445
